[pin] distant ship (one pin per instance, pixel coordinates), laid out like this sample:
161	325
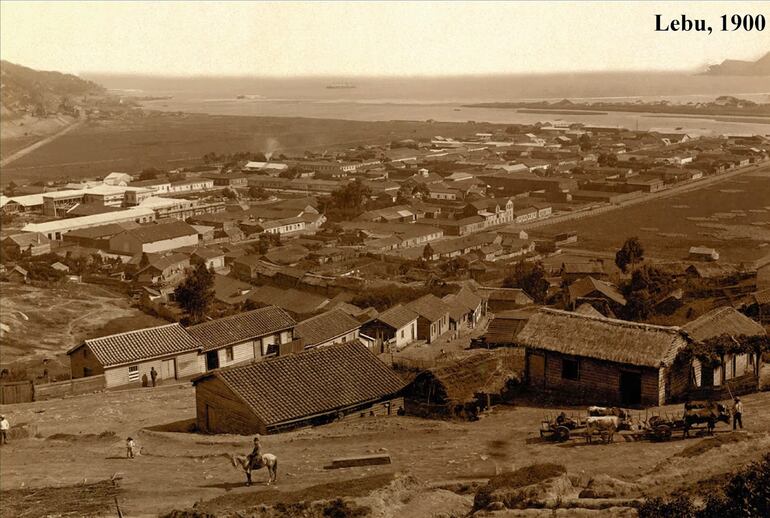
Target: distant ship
340	86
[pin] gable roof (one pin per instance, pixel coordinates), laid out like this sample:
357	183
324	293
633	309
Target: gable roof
28	239
154	232
588	285
326	326
468	298
102	231
588	309
241	327
516	295
397	317
296	301
140	345
317	381
591	267
456	310
722	321
602	338
429	307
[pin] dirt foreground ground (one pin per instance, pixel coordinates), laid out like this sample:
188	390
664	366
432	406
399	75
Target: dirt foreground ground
80	441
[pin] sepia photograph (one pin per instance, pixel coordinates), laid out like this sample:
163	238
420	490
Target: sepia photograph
387	259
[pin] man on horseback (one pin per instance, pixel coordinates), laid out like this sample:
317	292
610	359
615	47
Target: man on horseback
255	457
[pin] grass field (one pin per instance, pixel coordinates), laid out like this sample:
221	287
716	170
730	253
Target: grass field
170	140
40	324
732	217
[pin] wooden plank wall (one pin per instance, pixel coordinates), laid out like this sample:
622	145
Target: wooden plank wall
13	392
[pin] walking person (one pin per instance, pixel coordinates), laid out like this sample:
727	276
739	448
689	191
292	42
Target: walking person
5	428
130	447
153	375
737	413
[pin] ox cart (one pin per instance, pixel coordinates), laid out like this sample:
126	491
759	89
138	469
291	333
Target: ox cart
563	428
700	417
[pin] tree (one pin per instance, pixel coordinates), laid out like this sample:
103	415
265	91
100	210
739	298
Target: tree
585	142
196	293
455	265
230	194
529	277
630	253
258	193
348	201
646	286
10	189
427	252
607	159
421	190
149	173
263	245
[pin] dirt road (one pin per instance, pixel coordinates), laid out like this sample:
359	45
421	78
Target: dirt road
82	439
40	143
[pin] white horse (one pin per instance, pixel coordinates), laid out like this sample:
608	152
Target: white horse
269	461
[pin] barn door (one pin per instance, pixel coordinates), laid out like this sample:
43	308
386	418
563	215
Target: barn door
168	369
536	369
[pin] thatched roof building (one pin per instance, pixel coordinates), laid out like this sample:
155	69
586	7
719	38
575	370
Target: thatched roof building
461	386
604	360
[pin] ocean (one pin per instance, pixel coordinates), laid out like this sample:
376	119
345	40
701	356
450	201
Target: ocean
442	98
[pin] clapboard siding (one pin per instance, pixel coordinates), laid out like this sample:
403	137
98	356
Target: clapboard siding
187	365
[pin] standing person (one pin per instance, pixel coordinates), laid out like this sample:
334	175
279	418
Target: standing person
738	413
130	445
5	427
153	375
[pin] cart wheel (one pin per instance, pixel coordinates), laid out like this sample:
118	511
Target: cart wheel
663	432
561	433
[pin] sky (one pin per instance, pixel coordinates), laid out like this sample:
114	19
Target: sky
367	38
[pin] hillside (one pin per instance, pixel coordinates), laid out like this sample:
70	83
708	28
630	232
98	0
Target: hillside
734	67
40	93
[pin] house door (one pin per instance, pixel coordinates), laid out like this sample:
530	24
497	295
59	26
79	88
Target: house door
536	369
212	360
168	369
630	388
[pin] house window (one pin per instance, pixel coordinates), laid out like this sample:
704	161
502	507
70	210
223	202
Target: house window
344	339
133	373
272	350
402	333
570	369
229	353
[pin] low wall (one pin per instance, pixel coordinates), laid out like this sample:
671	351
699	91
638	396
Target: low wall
13	392
69	387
